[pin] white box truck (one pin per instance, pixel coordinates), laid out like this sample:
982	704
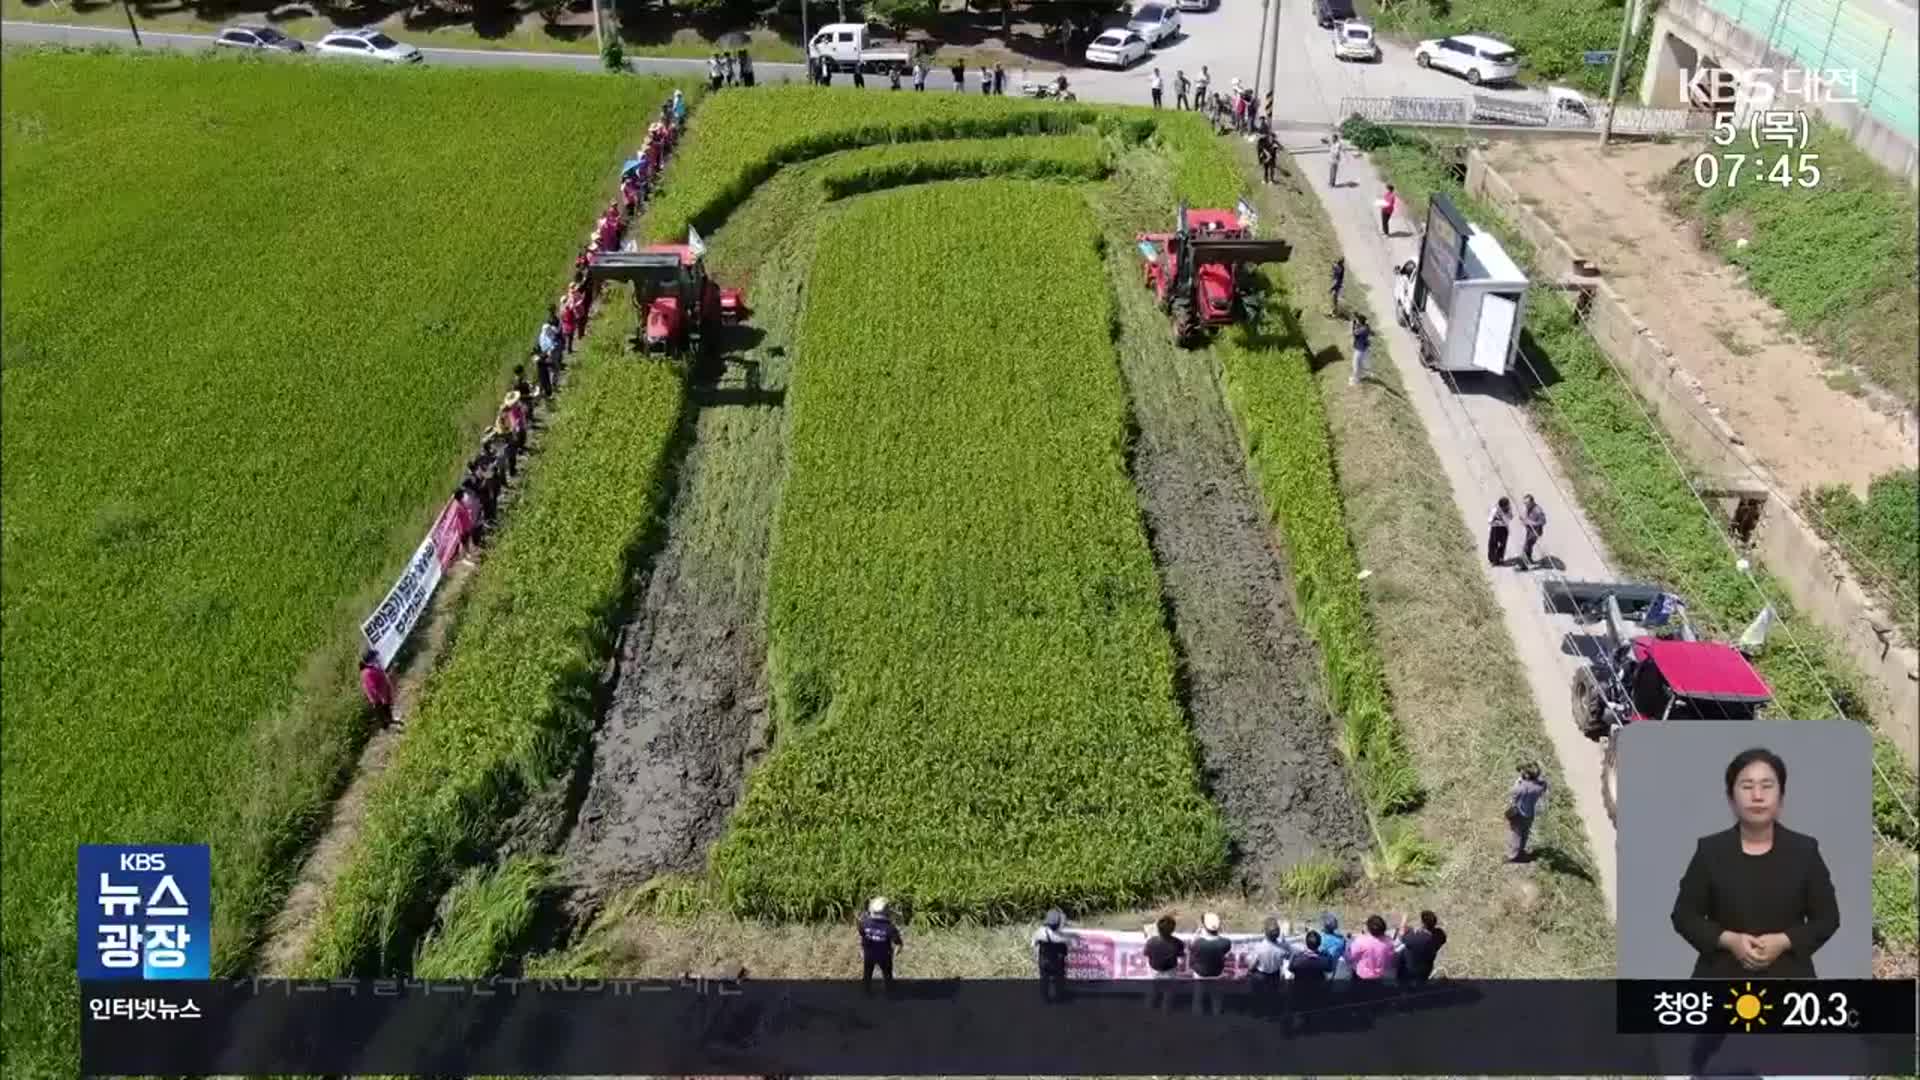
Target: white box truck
869	47
1463	298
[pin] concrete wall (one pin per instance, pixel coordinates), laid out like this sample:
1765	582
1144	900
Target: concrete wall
1742	52
1816	578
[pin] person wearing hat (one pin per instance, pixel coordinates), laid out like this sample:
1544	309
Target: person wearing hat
1207	957
1050	955
879	940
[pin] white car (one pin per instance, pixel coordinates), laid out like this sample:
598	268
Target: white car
368	45
1480	59
1353	40
1117	48
1158	23
257	38
1197	5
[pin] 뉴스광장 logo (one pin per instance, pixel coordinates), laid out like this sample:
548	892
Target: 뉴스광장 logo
144	911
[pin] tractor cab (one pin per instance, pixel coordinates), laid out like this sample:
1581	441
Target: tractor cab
1690	680
1195	271
680	306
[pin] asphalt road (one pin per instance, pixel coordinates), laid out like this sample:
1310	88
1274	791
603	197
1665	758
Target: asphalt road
1226	41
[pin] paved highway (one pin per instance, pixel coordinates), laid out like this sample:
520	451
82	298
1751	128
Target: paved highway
1226	41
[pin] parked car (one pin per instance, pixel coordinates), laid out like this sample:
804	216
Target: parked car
1117	48
867	46
1158	23
1197	5
1480	59
1331	13
1353	40
264	38
368	45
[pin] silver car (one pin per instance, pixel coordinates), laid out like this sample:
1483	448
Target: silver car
260	38
1158	23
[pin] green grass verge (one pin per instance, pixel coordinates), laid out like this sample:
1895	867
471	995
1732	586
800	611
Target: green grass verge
506	710
1550	37
1647	516
973	686
481	920
1038	157
234	398
1882	530
1841	260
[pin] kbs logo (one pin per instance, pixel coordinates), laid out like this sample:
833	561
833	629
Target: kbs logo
1759	88
144	911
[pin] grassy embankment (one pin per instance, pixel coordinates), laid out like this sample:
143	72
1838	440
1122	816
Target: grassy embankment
1653	526
233	402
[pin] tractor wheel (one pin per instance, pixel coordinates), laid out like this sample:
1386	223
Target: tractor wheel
1586	694
1610	777
1185	325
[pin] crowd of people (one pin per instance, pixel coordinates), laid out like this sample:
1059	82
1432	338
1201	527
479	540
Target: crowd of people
729	69
1406	955
476	501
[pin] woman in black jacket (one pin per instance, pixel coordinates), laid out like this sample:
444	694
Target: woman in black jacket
1756	900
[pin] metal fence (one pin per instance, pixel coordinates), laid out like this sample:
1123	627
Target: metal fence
1879	60
1463	112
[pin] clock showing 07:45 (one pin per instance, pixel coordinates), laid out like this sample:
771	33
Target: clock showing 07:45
1714	170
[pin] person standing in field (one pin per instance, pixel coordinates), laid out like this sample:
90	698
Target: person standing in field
893	78
986	80
726	68
1182	86
1164	952
1207	957
1498	524
1389	202
1334	152
920	73
714	78
1533	520
999	80
1267	968
1339	282
1269	153
543	367
959	74
1419	948
859	75
1200	88
1372	952
1362	341
879	941
1523	805
377	687
1050	947
1333	944
1153	86
746	68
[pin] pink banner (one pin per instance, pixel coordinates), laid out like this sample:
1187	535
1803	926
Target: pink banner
449	531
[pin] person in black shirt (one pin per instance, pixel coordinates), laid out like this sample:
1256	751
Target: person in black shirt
1164	953
960	74
1419	947
1339	282
879	940
1050	955
1269	152
1307	970
1207	956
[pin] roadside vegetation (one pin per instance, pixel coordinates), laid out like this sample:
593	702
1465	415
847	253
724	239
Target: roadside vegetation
245	361
1883	531
1551	38
1647	517
1841	260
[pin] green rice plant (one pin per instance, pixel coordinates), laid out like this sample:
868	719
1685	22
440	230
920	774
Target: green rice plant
1038	157
971	678
1404	857
482	917
1313	881
253	321
507	709
1896	897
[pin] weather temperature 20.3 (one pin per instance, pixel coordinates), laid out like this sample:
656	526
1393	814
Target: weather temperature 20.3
1771	1006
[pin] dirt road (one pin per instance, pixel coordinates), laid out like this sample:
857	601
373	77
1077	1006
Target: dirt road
1775	391
1487	448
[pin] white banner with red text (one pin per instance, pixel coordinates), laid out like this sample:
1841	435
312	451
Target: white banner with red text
387	628
1120	954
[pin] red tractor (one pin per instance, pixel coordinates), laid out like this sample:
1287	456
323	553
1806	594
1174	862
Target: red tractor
1198	271
1635	677
681	307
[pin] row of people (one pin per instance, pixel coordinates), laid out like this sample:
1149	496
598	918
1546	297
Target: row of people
475	504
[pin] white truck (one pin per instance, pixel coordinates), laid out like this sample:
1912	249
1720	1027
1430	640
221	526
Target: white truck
865	46
1464	298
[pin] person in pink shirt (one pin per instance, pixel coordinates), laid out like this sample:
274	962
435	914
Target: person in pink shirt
1371	953
378	688
1388	203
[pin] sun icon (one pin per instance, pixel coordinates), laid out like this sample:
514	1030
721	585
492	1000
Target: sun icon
1748	1007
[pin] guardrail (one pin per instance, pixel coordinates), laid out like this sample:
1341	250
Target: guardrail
1519	116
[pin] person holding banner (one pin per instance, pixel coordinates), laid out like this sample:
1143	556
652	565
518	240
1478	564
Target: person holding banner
377	687
1267	968
1207	957
1050	956
1164	953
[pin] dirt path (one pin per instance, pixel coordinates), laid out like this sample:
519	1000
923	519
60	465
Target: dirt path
1487	448
1775	391
1249	670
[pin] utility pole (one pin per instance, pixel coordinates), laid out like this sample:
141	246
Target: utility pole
1260	61
599	30
1619	66
127	7
1273	57
806	38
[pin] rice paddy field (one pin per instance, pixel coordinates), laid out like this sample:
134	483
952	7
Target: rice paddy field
255	315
